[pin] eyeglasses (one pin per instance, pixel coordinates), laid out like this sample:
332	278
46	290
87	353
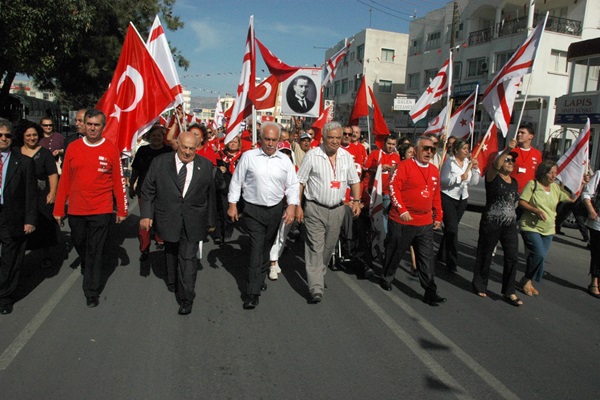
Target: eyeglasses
47	125
347	133
432	149
509	160
6	135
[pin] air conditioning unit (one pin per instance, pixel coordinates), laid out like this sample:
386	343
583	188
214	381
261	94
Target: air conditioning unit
484	66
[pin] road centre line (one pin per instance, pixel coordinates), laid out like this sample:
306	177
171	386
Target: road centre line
27	333
423	355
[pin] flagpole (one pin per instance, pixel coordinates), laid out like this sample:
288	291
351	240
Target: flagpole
449	102
530	80
253	125
474	112
368	114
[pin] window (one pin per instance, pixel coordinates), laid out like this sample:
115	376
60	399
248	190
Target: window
476	67
558	61
357	80
585	75
336	88
413	81
456	71
433	40
502	59
388	55
344	86
352	55
360	52
326	92
429	76
415	46
385	86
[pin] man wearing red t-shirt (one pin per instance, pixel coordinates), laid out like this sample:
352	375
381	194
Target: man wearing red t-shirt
92	178
528	157
416	211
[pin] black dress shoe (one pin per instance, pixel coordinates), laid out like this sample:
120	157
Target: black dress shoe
6	309
144	256
263	287
185	308
385	285
251	302
316	298
368	272
434	300
92	301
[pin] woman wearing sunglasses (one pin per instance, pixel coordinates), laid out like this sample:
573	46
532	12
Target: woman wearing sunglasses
499	223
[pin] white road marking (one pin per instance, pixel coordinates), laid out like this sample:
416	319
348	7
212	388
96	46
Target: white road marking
423	355
27	333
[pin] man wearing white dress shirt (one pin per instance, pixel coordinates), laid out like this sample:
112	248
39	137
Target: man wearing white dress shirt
324	175
263	176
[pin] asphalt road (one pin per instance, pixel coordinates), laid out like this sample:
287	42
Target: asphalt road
359	343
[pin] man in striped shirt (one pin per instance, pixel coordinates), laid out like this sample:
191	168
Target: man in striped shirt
325	173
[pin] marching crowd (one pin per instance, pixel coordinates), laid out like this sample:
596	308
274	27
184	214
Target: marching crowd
190	186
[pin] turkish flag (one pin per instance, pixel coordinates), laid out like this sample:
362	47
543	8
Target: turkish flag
266	93
487	148
361	107
137	95
276	67
319	124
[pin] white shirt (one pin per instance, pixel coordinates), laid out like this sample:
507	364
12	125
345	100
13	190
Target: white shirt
317	173
589	192
264	180
450	177
188	176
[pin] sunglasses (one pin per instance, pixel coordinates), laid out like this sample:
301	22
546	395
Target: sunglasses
47	125
347	133
432	149
509	160
6	135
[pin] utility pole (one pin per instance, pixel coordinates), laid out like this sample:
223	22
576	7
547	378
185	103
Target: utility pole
454	25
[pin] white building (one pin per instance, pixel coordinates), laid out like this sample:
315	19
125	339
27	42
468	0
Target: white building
486	33
378	55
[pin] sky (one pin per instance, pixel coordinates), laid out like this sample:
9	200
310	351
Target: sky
299	33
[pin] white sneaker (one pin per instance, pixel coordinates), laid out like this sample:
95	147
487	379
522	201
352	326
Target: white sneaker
273	273
277	269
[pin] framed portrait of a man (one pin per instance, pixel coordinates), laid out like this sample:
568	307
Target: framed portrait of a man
302	93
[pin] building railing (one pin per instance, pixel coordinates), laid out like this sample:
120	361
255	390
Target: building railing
519	25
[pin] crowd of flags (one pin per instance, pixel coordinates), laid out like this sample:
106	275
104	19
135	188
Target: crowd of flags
146	85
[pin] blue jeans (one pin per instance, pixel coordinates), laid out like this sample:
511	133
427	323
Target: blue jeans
385	202
537	248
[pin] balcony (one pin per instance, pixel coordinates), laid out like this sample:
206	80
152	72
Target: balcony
519	25
482	36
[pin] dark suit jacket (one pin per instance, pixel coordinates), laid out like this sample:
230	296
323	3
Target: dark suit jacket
20	194
296	106
162	200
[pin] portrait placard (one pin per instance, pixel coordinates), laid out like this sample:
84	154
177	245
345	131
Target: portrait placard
301	93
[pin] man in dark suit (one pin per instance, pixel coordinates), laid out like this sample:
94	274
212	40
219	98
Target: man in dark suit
18	213
297	99
179	200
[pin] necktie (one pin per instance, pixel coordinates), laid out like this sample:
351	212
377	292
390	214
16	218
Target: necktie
303	104
1	168
181	177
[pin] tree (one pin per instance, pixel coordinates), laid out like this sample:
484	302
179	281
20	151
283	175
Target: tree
71	47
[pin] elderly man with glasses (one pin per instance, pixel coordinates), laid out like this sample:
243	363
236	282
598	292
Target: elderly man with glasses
416	211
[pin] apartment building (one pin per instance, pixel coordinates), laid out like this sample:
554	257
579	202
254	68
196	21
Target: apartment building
484	34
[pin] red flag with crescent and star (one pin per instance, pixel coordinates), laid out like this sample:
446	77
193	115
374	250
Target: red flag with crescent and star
137	95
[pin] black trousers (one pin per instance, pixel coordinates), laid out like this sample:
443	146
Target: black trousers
262	224
398	240
453	212
595	253
88	233
13	252
489	234
181	261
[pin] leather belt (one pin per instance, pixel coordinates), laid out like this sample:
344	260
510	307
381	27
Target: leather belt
327	207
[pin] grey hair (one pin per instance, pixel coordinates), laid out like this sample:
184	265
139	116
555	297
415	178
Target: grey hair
420	139
272	125
6	123
331	126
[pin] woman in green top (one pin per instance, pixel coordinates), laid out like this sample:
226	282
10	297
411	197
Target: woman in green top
539	200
